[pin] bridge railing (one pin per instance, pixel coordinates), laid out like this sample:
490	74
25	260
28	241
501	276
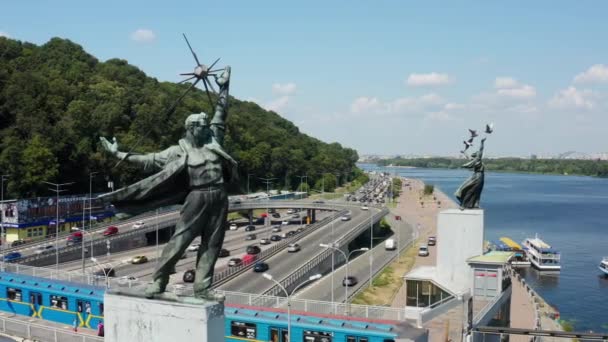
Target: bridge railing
39	332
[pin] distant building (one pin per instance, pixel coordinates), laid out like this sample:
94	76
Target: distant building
34	218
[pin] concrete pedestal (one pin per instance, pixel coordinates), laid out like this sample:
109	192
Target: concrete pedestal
460	236
133	319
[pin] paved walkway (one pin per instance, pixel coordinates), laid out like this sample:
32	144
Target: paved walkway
522	310
24	320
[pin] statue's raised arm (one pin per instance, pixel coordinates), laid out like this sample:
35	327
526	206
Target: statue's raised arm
218	124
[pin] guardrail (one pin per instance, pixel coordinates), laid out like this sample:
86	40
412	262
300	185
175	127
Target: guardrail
303	270
39	332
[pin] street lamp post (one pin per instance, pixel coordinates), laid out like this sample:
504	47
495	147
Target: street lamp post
57	191
248	175
346	257
371	247
301	196
269	277
268	181
2	211
109	271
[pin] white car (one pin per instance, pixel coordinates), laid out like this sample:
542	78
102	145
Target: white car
345	218
193	247
139	224
276	229
43	249
285	223
233	227
293	247
290	211
364	207
423	250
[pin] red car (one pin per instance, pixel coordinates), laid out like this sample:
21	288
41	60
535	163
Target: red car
74	238
111	230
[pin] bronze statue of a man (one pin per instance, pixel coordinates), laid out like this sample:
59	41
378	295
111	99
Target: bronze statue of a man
194	173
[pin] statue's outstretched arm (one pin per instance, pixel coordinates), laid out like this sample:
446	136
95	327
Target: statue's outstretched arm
148	160
218	123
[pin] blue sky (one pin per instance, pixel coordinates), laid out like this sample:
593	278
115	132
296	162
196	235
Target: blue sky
382	77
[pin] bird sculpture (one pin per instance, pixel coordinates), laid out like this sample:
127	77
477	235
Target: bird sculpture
473	133
489	128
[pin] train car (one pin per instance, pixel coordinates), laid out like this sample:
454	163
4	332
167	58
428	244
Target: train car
53	300
255	324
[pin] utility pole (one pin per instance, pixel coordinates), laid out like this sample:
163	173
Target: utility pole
57	191
248	175
2	211
268	181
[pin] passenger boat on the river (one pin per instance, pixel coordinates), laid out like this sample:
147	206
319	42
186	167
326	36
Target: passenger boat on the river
520	259
541	255
603	266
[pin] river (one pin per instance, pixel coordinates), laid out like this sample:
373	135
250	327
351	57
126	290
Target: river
568	212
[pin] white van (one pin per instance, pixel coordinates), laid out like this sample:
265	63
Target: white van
390	244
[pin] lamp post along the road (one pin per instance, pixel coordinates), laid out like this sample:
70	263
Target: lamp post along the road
371	247
57	191
269	277
90	206
2	212
84	206
268	181
335	247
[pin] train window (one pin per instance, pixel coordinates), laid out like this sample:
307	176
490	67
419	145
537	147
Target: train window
13	294
351	339
83	306
388	340
60	302
363	339
275	336
243	330
36	298
317	336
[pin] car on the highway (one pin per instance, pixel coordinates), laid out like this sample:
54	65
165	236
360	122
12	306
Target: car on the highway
345	218
276	215
299	230
349	281
423	250
12	256
290	211
291	233
233	226
139	224
189	276
275	238
223	253
139	259
74	238
250	228
193	247
253	249
276	229
128	278
250	237
285	223
432	241
106	272
111	230
235	262
260	267
43	249
293	247
18	243
318	202
265	241
295	216
364	207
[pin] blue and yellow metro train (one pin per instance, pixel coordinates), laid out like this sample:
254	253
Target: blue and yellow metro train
66	302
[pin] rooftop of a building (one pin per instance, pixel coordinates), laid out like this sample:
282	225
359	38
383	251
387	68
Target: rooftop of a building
492	257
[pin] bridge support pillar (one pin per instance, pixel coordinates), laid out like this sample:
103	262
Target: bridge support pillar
313	216
250	215
134	318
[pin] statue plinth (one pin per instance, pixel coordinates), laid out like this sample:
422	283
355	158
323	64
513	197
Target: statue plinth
129	316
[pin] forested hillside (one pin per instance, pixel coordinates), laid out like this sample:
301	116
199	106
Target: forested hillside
56	100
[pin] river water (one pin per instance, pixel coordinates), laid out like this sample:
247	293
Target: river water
568	212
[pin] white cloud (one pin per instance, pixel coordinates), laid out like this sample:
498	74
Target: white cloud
510	87
4	34
143	36
403	105
278	104
572	98
284	89
596	73
432	79
364	104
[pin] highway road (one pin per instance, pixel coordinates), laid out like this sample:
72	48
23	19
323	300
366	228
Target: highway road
284	263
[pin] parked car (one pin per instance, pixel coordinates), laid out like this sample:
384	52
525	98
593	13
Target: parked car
224	253
250	237
111	230
193	247
43	249
234	226
12	256
139	224
349	281
432	241
293	247
275	238
250	228
264	241
276	229
235	262
260	267
140	259
423	250
253	249
189	276
17	243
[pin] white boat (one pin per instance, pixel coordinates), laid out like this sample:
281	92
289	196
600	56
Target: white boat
541	255
603	266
